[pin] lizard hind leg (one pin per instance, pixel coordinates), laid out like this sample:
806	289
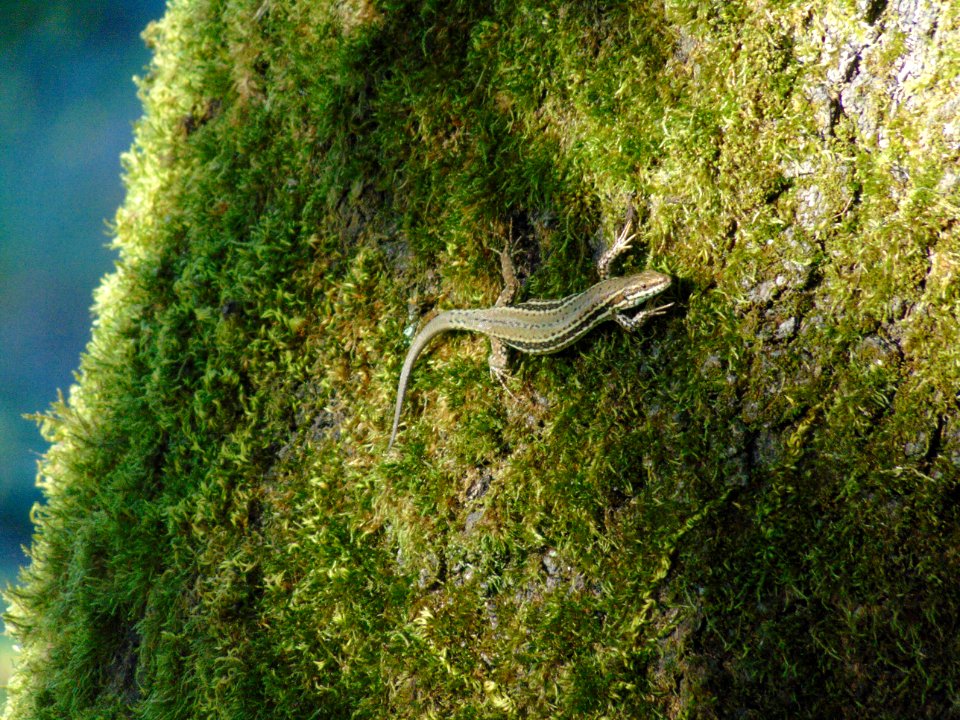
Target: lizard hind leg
499	352
510	283
498	362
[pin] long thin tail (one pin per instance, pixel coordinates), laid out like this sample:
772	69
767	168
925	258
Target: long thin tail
436	326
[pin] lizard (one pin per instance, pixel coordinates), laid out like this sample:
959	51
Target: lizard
540	327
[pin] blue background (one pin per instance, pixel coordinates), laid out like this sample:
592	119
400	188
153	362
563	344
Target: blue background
67	107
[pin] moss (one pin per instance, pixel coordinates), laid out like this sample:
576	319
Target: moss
749	507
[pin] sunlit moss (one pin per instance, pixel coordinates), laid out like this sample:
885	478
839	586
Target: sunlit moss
748	508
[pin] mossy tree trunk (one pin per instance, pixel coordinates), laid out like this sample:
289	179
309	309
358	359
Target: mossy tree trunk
749	508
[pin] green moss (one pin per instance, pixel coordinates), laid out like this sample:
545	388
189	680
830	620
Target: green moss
749	507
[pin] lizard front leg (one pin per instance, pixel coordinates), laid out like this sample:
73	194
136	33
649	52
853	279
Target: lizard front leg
632	323
619	246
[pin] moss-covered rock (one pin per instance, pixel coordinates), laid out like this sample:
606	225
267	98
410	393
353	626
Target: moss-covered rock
748	509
